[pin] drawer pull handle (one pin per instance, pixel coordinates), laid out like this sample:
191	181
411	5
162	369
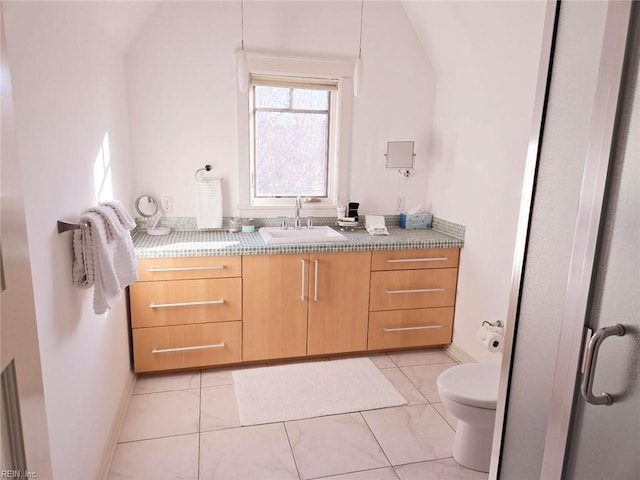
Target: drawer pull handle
419	290
406	260
406	329
186	349
186	304
186	269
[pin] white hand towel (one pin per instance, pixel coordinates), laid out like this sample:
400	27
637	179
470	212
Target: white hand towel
124	217
126	263
106	288
82	270
209	203
374	221
113	228
103	256
121	244
375	225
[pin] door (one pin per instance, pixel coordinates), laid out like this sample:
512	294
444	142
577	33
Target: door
605	439
24	447
339	302
274	306
594	428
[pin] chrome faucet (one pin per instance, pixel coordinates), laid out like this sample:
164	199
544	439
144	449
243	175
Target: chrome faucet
297	223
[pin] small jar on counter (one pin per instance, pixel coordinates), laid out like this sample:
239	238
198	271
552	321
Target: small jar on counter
248	225
235	224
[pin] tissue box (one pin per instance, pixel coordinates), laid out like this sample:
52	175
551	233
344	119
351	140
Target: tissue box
418	220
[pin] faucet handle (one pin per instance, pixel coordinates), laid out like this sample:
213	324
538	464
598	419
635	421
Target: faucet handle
309	223
283	223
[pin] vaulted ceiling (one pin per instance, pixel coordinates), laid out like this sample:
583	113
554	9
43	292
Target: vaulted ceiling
121	21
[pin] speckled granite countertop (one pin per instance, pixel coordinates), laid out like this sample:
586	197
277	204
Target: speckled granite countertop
198	243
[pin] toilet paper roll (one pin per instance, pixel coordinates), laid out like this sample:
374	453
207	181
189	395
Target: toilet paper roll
494	342
491	338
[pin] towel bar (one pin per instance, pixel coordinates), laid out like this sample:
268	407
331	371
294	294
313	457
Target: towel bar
206	168
67	226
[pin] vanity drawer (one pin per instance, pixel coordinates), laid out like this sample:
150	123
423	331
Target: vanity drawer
410	328
187	346
415	259
188	268
180	302
413	289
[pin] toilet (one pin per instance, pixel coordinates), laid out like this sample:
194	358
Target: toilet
470	393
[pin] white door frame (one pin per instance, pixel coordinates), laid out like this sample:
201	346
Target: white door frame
533	153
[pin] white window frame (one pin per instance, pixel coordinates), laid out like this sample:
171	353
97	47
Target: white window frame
340	71
329	85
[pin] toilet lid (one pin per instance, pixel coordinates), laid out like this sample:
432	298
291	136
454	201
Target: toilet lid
472	384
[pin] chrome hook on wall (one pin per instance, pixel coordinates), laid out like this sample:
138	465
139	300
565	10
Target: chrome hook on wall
206	168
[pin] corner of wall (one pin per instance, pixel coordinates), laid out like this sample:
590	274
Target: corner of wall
116	428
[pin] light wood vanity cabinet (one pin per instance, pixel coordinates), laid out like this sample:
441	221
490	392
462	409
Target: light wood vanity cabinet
203	311
412	298
186	312
297	305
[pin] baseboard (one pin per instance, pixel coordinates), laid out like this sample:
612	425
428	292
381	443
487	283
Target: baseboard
117	426
458	354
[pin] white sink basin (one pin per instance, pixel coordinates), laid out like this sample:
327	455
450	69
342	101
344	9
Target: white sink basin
304	235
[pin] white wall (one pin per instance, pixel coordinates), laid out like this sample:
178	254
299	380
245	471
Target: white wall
69	90
486	56
182	92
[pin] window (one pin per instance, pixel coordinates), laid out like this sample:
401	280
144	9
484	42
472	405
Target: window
291	135
294	134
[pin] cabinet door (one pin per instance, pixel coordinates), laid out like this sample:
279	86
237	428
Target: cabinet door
338	302
274	306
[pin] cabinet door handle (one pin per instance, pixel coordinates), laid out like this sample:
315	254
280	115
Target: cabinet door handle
304	279
186	304
315	282
418	290
406	329
186	349
407	260
186	269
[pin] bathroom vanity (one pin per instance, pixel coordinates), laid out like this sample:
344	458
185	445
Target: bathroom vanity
213	298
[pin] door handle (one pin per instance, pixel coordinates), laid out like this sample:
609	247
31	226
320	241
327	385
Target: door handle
590	359
303	282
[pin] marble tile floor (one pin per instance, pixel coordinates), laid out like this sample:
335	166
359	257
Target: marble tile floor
185	426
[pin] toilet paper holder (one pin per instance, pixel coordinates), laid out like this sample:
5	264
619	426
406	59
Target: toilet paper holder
498	323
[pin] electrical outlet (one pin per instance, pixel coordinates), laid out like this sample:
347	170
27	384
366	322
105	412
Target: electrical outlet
400	204
166	203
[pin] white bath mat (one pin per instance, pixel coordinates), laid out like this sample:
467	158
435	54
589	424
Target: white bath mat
306	390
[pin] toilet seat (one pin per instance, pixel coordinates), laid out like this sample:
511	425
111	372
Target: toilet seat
472	384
